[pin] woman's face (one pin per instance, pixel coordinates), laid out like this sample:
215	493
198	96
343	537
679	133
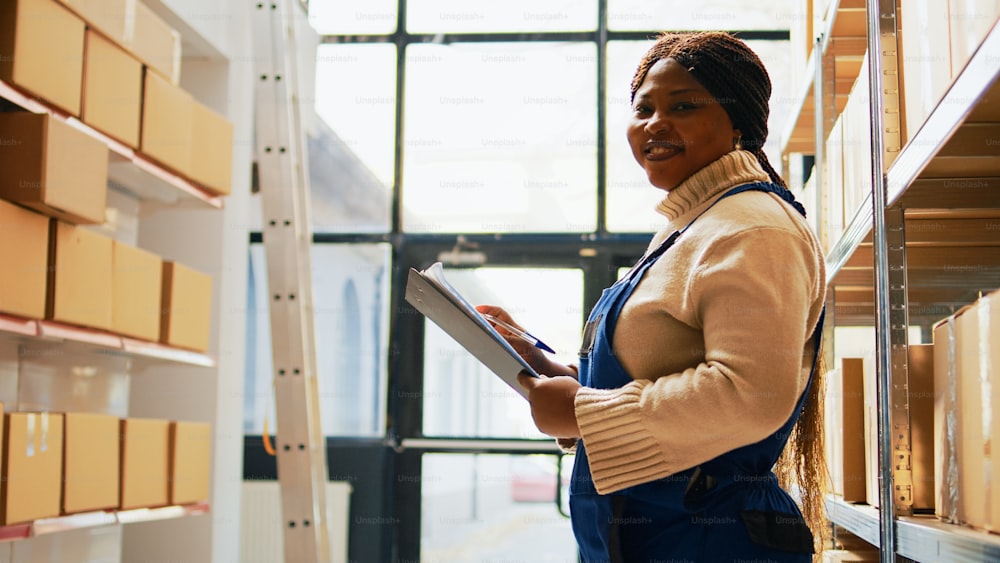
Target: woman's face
677	127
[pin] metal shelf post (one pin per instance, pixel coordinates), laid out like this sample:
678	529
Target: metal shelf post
895	475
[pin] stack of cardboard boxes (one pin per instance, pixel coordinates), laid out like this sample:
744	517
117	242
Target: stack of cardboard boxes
953	394
114	66
67	463
967	415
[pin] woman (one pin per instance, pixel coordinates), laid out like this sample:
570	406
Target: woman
696	366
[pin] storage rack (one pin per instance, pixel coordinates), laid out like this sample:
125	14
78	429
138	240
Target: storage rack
155	367
145	180
940	269
149	182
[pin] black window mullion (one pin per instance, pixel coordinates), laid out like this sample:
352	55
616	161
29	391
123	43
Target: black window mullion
602	116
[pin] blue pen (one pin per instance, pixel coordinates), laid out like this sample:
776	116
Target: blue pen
520	333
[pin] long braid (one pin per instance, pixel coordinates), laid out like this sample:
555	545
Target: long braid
766	165
737	79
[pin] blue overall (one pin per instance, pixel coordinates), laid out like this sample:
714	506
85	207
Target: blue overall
727	509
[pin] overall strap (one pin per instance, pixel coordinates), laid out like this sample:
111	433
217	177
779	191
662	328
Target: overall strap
775	189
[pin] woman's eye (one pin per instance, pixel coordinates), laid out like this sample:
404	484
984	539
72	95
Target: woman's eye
640	109
684	106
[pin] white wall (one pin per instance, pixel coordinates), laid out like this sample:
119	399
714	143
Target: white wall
218	70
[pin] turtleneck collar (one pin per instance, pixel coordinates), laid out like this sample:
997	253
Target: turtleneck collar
730	170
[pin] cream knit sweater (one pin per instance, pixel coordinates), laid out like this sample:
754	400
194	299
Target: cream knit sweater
714	336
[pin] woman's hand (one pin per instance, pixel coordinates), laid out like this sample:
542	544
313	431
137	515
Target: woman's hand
552	402
552	398
535	357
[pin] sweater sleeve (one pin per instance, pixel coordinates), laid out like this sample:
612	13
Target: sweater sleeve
752	298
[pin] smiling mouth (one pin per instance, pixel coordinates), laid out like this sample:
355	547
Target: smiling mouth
661	150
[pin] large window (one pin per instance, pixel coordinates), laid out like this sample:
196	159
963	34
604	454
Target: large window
500	137
461	16
491	137
640	15
351	144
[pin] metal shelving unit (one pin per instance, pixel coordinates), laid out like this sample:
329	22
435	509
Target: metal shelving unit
912	254
174	217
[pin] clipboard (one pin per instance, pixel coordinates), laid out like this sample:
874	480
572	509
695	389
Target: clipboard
430	293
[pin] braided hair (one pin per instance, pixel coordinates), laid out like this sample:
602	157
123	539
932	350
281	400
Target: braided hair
731	72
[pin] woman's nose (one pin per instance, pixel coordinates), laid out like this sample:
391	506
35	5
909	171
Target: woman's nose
657	124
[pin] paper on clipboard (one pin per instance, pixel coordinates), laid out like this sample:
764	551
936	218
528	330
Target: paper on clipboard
431	294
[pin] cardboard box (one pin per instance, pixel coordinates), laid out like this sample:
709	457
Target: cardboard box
833	199
53	168
154	42
989	349
969	22
857	146
145	463
211	149
91	462
32	467
112	90
107	16
924	59
190	462
24	250
847	434
969	437
186	307
41	50
945	421
166	123
920	374
870	391
80	280
136	289
969	342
